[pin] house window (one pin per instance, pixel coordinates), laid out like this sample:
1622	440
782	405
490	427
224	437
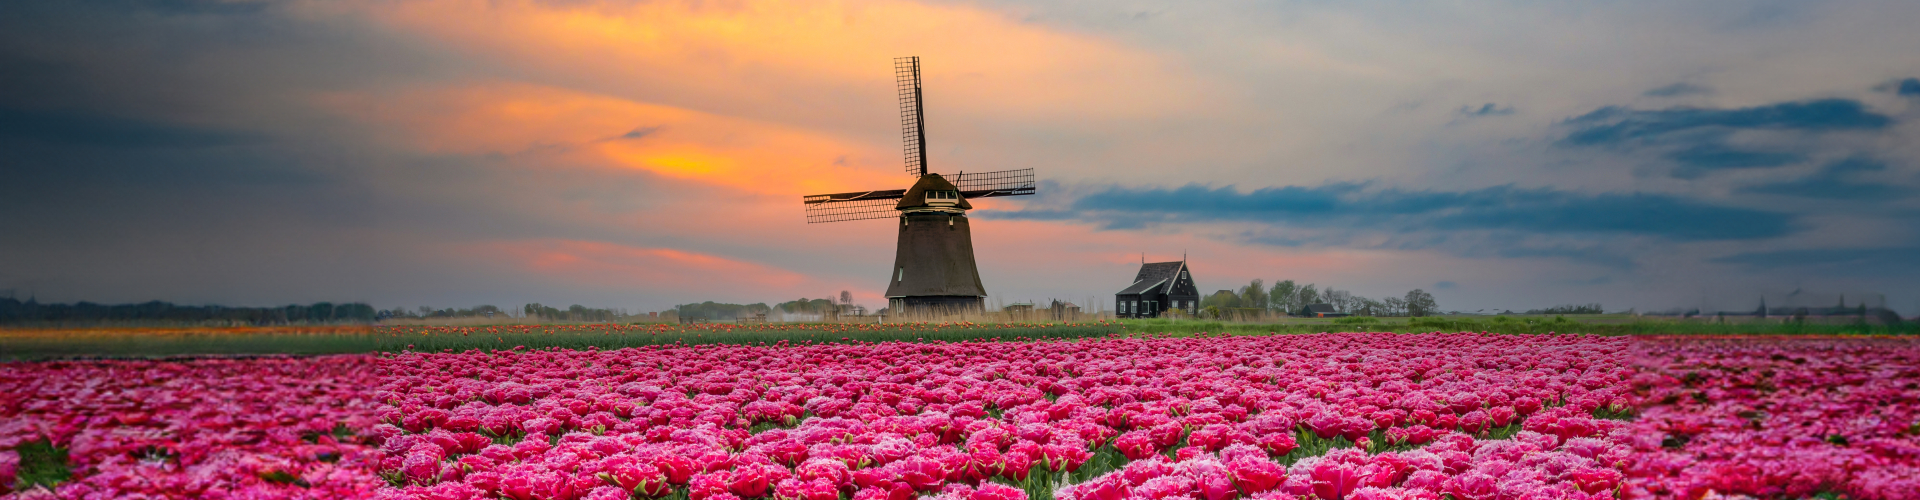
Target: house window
901	275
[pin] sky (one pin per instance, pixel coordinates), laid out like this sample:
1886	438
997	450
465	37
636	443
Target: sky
640	154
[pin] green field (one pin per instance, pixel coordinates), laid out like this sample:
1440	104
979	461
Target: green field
19	345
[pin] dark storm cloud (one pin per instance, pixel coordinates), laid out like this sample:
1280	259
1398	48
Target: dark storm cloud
88	129
174	151
1617	125
1837	181
1576	253
1908	87
1499	208
1864	260
1700	159
1678	89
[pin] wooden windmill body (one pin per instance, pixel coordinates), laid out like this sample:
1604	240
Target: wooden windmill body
933	265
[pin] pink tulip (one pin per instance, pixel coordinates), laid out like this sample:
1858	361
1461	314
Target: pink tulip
1255	476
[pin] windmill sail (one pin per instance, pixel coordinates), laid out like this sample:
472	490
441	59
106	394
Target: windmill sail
934	269
906	74
991	184
852	206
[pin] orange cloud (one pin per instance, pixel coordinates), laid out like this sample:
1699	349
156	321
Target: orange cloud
791	58
768	96
602	263
542	126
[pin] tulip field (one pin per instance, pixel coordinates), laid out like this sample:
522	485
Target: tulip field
1467	416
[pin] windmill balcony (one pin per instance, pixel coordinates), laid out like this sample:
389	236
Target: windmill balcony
943	198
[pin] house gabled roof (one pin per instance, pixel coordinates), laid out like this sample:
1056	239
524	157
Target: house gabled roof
1320	308
1142	287
1156	275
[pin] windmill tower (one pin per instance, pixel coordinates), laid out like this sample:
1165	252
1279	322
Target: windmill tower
933	267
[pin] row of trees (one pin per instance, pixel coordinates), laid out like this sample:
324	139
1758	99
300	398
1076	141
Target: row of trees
1569	309
574	312
711	310
13	311
1288	297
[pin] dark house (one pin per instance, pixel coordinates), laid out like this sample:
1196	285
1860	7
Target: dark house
1160	286
1319	311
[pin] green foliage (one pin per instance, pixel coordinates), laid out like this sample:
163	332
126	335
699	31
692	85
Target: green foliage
1224	299
15	312
574	312
481	311
1254	296
711	310
284	477
1281	296
806	305
1357	320
1616	412
1420	303
25	348
42	464
1310	445
1593	308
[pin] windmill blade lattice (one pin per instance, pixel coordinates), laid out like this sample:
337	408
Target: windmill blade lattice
852	206
906	74
992	184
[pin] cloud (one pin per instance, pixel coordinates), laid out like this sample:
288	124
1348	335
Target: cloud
81	128
1488	109
1678	89
1445	285
1863	260
1616	125
555	125
612	264
1904	87
639	132
1498	208
1700	159
1837	181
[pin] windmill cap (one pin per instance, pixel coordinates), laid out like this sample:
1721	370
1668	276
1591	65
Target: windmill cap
915	196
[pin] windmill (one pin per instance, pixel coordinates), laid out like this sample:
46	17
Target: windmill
933	268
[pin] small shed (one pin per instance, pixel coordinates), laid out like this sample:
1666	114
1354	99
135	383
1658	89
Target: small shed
1064	311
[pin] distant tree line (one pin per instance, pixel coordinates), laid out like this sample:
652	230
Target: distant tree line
536	310
483	311
1569	309
13	311
1288	297
574	312
711	310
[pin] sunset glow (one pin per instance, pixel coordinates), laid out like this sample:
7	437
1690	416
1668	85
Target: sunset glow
505	151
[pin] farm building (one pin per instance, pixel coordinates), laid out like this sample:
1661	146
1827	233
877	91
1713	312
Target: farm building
1064	311
1158	287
